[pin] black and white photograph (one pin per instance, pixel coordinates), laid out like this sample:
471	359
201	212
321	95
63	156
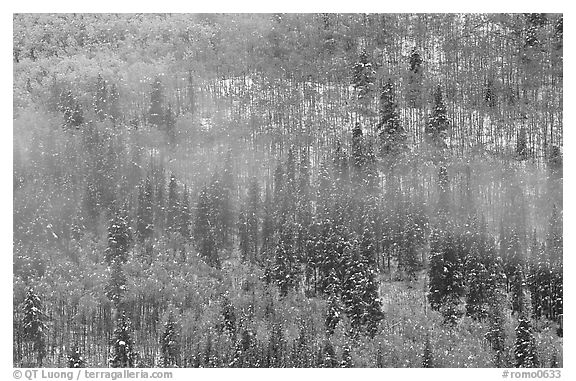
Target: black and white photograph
286	190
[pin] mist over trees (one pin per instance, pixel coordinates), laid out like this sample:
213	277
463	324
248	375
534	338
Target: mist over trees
288	190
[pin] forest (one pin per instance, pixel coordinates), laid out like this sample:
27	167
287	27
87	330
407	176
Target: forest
288	190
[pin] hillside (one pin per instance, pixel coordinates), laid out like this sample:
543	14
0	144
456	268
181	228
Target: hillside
288	190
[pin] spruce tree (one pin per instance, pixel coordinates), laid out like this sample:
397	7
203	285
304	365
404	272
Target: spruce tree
101	98
243	237
391	133
113	104
91	203
496	334
267	226
525	345
490	96
170	121
427	356
276	346
191	94
522	145
446	283
252	218
415	76
160	200
554	237
155	112
185	218
219	213
285	269
173	207
227	198
518	285
123	354
229	315
34	324
329	356
304	201
437	127
119	238
144	215
116	286
75	359
333	313
357	154
169	343
70	106
347	361
360	294
204	231
363	75
325	193
288	205
479	286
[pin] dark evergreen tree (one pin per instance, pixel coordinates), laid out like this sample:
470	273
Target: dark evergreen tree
267	226
446	284
116	286
522	145
243	237
173	208
415	76
155	112
219	213
525	345
363	75
554	237
391	133
325	193
496	334
518	285
357	154
276	347
490	96
145	215
170	121
285	269
229	315
427	356
360	295
170	344
443	190
204	231
288	205
227	198
252	218
75	359
123	354
185	218
91	203
329	356
304	206
191	93
72	109
34	324
333	314
437	128
160	201
483	274
113	103
347	361
279	192
119	238
101	98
